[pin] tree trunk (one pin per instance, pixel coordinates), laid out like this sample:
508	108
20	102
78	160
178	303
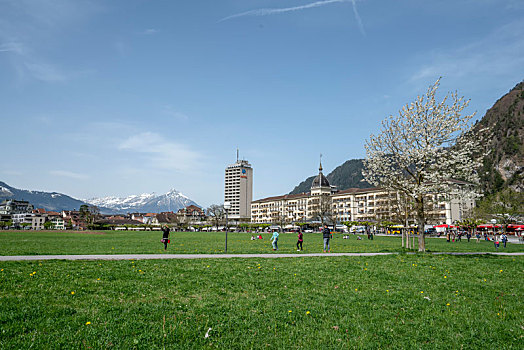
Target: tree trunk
420	223
402	231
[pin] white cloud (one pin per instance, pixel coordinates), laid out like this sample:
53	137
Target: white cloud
161	153
150	31
69	174
169	110
273	11
14	47
500	53
358	19
46	72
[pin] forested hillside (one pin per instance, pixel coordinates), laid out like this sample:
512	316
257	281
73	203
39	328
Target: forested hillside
504	165
347	175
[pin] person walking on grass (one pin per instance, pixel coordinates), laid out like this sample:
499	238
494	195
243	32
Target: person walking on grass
300	240
504	239
326	234
165	236
274	240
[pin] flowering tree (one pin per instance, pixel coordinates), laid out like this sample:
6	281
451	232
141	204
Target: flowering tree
420	151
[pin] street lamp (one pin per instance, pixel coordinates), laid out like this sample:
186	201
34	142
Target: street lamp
227	206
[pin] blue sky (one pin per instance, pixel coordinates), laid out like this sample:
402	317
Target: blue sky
124	97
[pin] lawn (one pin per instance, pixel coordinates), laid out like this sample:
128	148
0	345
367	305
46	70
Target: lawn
399	301
147	242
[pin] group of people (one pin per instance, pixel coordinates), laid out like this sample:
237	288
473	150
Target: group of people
326	235
450	237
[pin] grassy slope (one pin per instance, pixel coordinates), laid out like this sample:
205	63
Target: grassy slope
118	242
353	302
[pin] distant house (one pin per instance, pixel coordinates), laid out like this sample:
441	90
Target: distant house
150	219
145	218
56	219
73	218
192	214
12	206
118	222
168	217
37	221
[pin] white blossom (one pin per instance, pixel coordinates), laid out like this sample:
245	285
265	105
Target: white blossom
423	150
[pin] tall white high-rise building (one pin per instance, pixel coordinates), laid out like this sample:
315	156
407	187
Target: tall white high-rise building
239	190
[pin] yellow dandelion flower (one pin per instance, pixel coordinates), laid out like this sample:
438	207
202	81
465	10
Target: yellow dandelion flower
307	312
2	270
447	304
72	293
98	279
387	290
445	276
356	289
290	311
500	271
88	322
34	272
421	292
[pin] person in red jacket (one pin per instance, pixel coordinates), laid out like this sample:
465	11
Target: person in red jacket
300	240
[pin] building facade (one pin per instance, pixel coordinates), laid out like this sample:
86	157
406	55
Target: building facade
12	206
354	204
238	190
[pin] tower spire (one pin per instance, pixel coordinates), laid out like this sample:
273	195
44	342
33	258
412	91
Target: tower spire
320	167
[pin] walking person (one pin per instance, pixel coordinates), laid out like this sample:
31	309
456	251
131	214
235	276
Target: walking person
165	236
504	239
478	237
326	234
496	241
274	240
300	240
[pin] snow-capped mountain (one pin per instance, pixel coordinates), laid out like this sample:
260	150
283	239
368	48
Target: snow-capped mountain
39	199
146	202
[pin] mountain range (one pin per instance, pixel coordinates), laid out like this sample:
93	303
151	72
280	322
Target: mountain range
503	166
54	201
146	202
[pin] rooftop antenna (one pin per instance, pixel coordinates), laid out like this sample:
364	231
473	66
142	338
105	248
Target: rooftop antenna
320	168
237	154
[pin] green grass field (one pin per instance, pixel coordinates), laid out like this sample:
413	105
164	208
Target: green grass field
396	301
147	242
400	301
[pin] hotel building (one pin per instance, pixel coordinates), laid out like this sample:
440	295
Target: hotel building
238	190
353	204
